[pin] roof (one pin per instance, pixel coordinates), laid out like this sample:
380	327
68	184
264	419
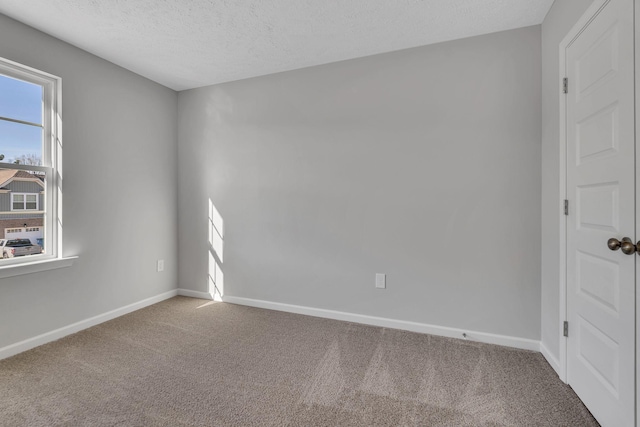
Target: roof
8	175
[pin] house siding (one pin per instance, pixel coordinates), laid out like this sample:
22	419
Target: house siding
20	187
20	216
24	187
5	203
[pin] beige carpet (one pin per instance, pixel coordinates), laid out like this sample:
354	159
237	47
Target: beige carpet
187	362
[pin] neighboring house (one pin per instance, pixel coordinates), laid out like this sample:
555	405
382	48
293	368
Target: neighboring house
21	205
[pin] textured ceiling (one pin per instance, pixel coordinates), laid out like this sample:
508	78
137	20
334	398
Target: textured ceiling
184	44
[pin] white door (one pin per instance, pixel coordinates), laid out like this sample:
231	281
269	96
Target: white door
601	191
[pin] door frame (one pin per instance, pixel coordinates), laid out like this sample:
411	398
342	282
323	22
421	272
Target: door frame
575	31
636	35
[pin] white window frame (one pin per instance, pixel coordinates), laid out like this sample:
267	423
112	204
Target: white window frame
51	167
24	202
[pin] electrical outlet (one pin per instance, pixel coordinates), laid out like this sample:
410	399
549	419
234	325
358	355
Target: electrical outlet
160	265
381	281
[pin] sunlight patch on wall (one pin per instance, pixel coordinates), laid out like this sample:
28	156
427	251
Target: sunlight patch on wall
216	248
216	231
216	279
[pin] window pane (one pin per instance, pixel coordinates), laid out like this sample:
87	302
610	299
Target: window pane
21	205
24	112
32	202
20	100
21	143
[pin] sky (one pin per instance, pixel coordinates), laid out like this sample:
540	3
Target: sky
20	100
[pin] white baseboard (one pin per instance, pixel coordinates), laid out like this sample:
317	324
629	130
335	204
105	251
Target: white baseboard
47	337
551	359
522	343
195	294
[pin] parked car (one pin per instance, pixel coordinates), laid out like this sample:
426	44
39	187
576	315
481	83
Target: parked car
18	247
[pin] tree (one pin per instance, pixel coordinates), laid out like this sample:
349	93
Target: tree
28	159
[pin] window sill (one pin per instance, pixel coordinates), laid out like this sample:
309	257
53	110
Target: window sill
35	267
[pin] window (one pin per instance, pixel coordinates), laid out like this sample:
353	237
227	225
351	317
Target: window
24	202
30	156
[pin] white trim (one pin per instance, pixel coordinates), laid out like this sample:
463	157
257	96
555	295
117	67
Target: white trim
636	62
51	149
22	212
195	294
47	337
551	359
575	31
20	122
562	266
516	342
35	267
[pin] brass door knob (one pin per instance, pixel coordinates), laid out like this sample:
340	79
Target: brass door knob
627	245
614	244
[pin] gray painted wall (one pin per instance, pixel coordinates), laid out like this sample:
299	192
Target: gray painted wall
120	178
562	16
423	164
